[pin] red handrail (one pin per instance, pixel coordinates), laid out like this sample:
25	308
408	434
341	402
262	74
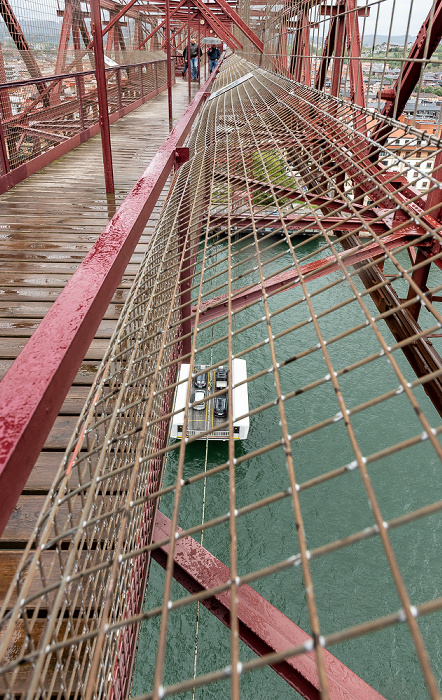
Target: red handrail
33	390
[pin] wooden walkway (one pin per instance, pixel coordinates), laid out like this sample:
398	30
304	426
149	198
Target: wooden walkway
47	225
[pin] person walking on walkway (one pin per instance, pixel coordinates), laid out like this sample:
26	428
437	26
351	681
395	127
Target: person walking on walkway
186	63
213	53
195	53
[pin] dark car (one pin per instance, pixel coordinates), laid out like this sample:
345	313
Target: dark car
220	406
201	381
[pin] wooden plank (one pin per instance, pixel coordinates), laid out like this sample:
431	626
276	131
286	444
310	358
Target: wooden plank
11	347
36	309
85	375
47	257
46	294
43	474
21	680
25	327
21	279
58	438
51	267
22	521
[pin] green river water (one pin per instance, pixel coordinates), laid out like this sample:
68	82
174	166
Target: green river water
352	585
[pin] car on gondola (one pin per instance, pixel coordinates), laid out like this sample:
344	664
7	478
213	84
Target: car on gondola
200	396
201	381
220	406
220	378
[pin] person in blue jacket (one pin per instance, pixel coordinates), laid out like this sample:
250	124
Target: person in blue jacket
213	53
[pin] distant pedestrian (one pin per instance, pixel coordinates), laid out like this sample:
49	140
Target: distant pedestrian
195	52
186	63
213	53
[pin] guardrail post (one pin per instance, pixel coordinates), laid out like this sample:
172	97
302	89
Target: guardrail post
102	94
3	150
156	75
80	87
168	67
120	96
141	80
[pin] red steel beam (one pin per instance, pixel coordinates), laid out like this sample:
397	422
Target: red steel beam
103	107
33	389
168	66
357	95
236	19
327	53
63	44
178	7
217	27
297	195
293	222
427	41
216	307
261	626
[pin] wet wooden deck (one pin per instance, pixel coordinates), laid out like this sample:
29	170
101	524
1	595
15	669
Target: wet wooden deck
47	225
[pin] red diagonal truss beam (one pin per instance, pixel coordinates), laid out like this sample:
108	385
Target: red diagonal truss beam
216	307
427	41
294	222
236	19
261	626
293	194
217	27
161	24
19	39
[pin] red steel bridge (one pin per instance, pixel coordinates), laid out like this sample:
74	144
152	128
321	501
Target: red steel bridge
298	228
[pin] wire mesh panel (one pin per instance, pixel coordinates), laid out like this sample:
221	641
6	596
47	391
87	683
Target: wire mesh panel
363	51
287	241
39	112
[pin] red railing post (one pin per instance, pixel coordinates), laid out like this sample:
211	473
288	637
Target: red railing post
102	94
79	84
168	67
4	159
141	80
120	96
188	51
156	75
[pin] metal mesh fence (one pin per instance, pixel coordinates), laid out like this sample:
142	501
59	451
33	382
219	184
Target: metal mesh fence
376	44
39	112
287	241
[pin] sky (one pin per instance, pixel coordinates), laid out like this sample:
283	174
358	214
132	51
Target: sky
419	10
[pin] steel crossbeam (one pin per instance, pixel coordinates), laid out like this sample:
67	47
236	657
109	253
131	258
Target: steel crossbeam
216	307
262	626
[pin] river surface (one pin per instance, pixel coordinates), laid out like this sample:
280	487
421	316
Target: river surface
352	585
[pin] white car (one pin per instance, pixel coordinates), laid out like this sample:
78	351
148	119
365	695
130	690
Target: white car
199	396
